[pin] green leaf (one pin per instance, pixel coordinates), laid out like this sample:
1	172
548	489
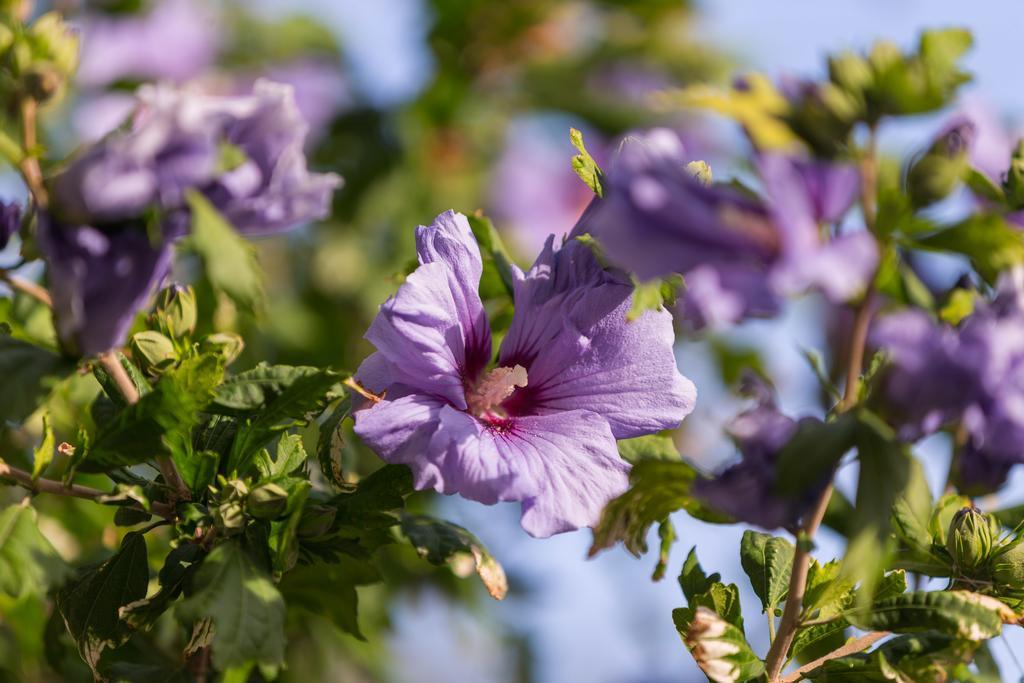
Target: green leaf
290	456
330	443
229	260
287	396
667	536
91	603
767	561
692	579
43	453
813	452
658	446
303	588
161	422
181	565
911	512
28	563
992	244
440	542
653	295
29	373
887	470
962	614
109	384
282	541
245	607
374	502
496	279
657	489
959	304
983	186
264	384
584	165
719	647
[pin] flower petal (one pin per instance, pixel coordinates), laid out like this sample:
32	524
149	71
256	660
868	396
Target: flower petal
400	430
571	333
99	280
433	332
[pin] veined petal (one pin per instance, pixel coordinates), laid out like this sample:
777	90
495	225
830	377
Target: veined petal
581	353
433	332
400	430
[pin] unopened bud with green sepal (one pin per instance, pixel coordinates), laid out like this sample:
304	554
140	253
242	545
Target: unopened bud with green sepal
229	518
316	521
969	540
936	173
268	501
176	311
227	345
152	352
1008	568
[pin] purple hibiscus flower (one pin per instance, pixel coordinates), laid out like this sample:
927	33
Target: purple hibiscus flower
572	376
245	154
971	376
740	254
746	490
803	195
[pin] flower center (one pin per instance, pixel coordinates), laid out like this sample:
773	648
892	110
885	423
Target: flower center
496	386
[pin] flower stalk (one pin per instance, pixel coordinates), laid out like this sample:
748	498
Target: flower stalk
778	653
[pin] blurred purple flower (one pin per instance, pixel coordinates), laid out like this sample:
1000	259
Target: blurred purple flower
10	222
803	194
572	377
656	219
972	376
178	142
746	490
243	153
321	90
101	278
534	191
174	40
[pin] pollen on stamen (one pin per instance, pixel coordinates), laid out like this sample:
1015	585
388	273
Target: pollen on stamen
496	386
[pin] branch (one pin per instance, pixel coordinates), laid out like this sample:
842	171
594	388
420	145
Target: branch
852	647
29	165
778	654
59	488
172	477
37	292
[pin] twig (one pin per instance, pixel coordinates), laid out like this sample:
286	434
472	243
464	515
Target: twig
37	292
778	653
40	485
172	477
852	647
29	165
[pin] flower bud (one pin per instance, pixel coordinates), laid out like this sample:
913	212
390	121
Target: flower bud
850	71
934	175
152	351
710	648
316	521
1008	568
268	501
176	311
229	518
969	540
228	345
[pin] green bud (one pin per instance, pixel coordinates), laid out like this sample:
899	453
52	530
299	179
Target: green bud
850	71
316	521
226	344
1008	568
176	311
268	501
969	540
234	490
152	351
229	518
935	174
